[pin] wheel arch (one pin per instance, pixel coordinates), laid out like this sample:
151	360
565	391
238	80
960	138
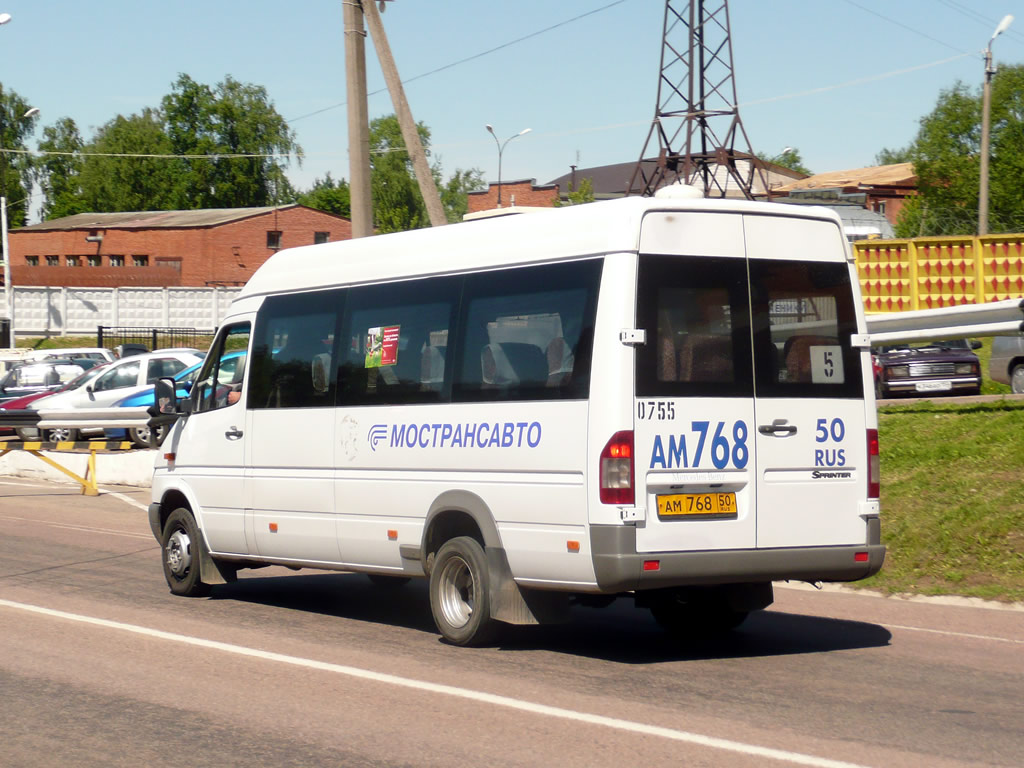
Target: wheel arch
458	513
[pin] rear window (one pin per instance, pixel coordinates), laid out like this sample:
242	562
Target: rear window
712	322
804	315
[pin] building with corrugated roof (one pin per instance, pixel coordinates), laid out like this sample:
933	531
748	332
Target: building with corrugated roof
164	248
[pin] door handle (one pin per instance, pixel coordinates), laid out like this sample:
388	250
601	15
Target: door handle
233	433
777	427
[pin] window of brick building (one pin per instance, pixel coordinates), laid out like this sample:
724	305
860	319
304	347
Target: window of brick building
140	261
273	240
174	264
32	261
73	261
116	261
53	261
321	237
95	261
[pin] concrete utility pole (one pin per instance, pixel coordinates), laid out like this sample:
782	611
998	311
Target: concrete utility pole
412	137
358	120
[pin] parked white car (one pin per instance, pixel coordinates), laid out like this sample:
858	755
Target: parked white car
94	353
119	380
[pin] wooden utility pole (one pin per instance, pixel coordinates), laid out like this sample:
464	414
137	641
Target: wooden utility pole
358	120
413	145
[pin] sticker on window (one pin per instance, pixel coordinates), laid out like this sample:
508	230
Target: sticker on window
827	365
382	346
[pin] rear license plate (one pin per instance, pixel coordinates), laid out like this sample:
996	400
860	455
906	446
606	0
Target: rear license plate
934	386
704	505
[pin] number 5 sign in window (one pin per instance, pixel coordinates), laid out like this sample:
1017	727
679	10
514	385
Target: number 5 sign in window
826	364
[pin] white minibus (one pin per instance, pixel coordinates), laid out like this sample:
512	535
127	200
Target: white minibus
667	399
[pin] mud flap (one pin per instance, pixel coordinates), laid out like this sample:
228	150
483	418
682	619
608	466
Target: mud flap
210	571
512	604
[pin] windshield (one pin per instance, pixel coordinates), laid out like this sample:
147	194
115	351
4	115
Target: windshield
84	377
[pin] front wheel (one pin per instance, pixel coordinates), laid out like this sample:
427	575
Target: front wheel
1017	379
460	593
180	547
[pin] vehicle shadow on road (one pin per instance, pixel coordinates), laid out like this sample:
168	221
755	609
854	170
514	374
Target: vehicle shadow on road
627	635
619	633
341	595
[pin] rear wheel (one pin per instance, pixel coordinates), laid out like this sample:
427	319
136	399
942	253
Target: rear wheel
1017	379
60	435
460	593
141	435
180	546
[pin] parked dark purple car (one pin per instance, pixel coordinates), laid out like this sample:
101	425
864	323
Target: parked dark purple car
928	369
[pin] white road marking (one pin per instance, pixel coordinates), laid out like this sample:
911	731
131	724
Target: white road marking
69	526
644	729
954	634
125	499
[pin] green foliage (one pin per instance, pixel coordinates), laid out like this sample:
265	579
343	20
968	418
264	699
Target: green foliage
946	156
60	175
112	183
893	156
397	202
584	193
952	509
789	159
234	124
15	166
454	194
328	195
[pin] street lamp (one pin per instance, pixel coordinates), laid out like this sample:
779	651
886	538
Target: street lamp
986	106
501	148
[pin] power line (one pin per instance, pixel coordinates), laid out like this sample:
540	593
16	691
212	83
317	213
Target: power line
917	32
469	58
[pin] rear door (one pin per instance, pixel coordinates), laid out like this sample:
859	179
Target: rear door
810	437
694	412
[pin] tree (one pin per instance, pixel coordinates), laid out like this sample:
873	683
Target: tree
15	162
946	156
397	203
145	181
789	158
454	194
59	174
328	195
229	120
893	156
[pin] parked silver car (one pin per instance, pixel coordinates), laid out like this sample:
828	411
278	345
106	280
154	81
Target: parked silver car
1007	362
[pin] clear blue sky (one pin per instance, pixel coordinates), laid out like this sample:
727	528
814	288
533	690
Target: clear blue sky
836	79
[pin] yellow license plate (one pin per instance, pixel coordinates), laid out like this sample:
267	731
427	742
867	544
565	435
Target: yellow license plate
716	504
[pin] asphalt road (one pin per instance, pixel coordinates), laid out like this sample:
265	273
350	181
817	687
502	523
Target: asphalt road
101	666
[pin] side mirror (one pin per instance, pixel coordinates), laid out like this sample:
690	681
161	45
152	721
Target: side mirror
975	344
165	400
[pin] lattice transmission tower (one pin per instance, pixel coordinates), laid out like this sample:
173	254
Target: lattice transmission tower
697	136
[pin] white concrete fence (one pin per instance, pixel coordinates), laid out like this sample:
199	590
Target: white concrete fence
56	311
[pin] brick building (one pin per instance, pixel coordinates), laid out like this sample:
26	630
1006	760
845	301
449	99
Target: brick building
524	193
164	248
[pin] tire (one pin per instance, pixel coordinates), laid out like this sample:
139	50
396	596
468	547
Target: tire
60	435
1017	379
695	619
388	582
179	548
460	593
140	436
28	435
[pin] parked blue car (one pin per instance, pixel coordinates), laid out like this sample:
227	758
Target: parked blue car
229	364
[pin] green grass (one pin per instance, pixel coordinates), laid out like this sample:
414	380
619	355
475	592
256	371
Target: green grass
953	499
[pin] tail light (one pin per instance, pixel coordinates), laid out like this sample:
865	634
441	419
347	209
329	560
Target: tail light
874	466
617	469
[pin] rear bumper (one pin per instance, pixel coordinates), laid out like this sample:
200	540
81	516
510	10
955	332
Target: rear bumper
619	567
